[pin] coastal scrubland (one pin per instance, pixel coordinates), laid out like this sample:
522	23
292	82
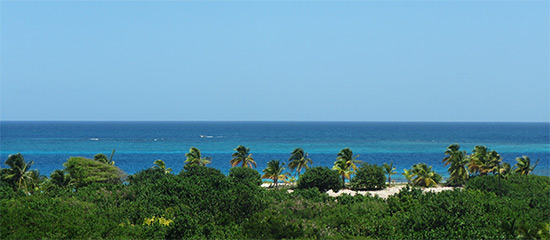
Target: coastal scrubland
92	198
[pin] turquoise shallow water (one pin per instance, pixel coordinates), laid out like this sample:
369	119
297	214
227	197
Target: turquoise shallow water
138	144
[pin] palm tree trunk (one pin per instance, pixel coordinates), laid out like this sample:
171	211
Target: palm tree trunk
389	180
343	182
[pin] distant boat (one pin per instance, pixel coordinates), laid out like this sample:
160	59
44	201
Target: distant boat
206	136
94	139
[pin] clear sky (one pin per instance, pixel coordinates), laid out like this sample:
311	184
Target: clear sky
275	61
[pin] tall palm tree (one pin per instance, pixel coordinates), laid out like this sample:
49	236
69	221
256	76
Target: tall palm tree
194	157
162	166
458	161
408	175
343	170
424	175
390	170
19	172
346	164
523	165
274	171
483	161
299	160
347	155
242	155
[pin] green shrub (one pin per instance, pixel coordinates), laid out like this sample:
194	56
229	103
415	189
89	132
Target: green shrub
403	200
320	177
148	176
312	194
454	214
201	201
270	224
7	191
85	171
245	175
202	171
489	183
369	177
34	217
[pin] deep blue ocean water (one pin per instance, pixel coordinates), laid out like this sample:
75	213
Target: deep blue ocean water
139	144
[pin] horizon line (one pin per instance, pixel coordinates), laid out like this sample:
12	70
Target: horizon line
281	121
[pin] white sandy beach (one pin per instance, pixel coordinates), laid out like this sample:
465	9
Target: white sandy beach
384	193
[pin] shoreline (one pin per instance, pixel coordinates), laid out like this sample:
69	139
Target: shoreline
383	193
386	192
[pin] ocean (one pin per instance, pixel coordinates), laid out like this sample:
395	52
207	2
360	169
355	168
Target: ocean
139	144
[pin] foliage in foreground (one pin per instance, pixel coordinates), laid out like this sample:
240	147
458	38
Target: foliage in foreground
201	202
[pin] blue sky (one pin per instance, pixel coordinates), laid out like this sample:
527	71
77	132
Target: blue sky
275	61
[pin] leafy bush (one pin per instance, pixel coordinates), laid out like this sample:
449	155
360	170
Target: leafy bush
7	191
245	175
202	171
320	177
40	216
369	177
312	194
454	215
85	171
488	183
201	201
516	185
270	224
403	200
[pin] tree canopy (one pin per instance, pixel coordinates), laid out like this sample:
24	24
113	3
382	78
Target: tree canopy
85	171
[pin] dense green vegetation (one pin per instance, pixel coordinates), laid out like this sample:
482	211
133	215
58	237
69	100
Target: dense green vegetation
369	177
321	178
92	198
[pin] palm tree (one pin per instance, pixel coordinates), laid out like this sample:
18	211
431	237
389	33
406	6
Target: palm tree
524	165
343	169
458	160
346	164
274	171
194	157
242	155
162	166
347	155
390	170
60	178
408	175
483	161
103	158
424	175
299	160
19	172
505	170
36	180
521	230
